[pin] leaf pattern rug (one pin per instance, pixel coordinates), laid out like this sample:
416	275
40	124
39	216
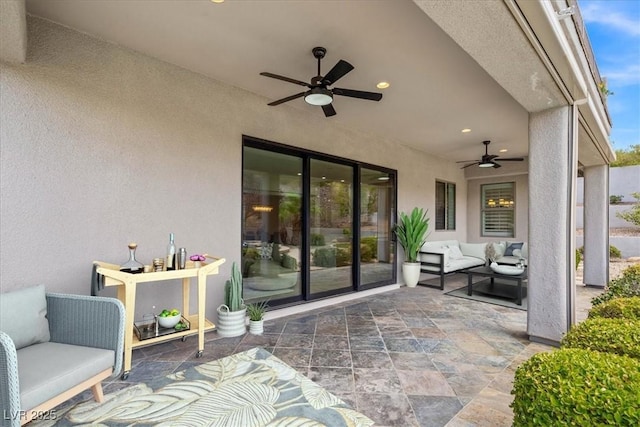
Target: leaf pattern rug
249	389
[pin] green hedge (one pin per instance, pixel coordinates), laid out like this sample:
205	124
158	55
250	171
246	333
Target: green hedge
618	336
627	308
627	285
331	257
575	387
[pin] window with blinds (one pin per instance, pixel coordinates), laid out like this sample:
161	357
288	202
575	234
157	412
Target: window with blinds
498	210
445	206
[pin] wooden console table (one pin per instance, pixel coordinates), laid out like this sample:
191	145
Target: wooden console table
126	284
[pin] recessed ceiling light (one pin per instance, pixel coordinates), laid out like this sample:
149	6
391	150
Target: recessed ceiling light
466	130
383	178
383	85
217	1
504	150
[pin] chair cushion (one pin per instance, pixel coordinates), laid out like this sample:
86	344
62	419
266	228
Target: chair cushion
23	316
48	369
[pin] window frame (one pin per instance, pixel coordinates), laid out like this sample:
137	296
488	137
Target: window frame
445	221
505	193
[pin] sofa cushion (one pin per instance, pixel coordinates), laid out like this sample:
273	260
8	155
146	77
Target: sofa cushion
455	253
476	250
49	369
511	246
23	316
464	262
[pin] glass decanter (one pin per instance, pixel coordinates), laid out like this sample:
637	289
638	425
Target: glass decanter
132	266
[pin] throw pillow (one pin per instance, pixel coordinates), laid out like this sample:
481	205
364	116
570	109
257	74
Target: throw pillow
23	316
455	252
511	247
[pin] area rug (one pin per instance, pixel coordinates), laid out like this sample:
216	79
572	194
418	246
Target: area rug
248	389
462	293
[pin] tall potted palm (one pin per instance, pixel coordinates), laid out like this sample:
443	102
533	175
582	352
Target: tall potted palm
412	233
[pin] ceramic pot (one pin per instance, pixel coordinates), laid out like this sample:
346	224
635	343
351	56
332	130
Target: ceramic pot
231	323
411	273
256	327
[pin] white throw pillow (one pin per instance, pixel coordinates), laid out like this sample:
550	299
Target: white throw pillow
455	252
475	250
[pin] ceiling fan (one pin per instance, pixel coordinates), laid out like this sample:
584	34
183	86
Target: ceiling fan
489	160
319	92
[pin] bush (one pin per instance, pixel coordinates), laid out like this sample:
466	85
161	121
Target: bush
633	214
368	248
578	258
331	257
614	252
627	285
618	336
317	239
618	308
577	387
289	262
614	200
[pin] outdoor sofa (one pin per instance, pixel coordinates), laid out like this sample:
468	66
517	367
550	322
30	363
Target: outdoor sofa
450	256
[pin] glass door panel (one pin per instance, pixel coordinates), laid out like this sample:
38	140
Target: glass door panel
377	207
272	225
331	227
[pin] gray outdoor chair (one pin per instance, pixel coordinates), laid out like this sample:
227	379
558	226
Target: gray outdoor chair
53	347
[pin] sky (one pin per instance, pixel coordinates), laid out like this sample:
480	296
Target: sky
613	27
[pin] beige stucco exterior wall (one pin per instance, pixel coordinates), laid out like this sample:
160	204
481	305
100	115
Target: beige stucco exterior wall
102	146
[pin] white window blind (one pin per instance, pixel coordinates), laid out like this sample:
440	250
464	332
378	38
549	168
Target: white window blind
498	210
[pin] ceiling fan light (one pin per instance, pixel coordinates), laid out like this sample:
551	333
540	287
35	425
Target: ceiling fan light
318	96
485	165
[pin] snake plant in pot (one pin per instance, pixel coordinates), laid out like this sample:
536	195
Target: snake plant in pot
412	233
231	314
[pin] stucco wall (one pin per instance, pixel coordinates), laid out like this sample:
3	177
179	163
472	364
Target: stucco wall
102	146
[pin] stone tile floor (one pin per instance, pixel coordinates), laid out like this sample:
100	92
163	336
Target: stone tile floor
408	357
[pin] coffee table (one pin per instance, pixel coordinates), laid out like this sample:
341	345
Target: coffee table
494	284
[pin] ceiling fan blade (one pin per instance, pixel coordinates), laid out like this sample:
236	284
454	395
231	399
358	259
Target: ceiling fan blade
466	161
337	72
329	110
490	157
286	79
470	164
495	165
510	159
372	96
288	98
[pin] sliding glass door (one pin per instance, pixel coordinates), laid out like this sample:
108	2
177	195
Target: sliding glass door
331	227
377	210
313	225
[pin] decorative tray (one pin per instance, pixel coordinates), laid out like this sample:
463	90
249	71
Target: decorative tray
146	329
508	270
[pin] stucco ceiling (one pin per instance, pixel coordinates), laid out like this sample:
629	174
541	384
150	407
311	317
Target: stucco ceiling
437	89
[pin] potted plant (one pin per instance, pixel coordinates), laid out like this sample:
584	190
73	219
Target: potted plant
231	314
256	311
412	232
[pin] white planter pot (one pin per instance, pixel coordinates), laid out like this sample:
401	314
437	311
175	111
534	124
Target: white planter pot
411	273
256	327
231	323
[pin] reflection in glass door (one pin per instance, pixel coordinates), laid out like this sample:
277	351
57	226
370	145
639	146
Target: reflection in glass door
331	227
272	225
377	207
